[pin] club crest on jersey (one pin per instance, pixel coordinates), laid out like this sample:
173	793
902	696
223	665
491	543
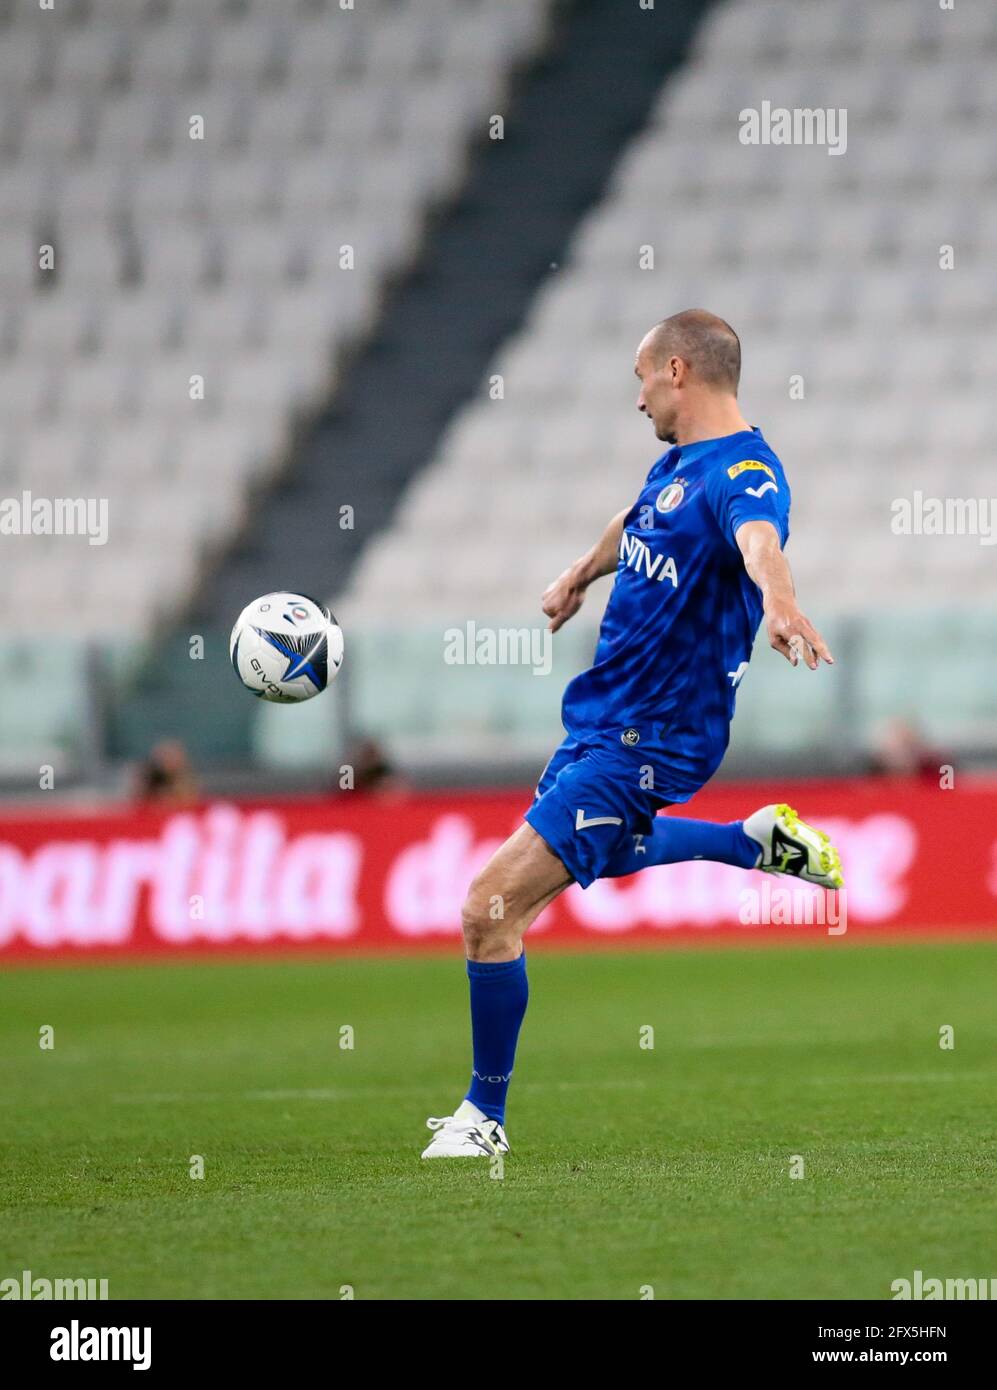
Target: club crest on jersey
630	737
669	497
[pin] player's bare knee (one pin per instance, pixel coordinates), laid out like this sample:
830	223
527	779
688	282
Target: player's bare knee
474	919
483	921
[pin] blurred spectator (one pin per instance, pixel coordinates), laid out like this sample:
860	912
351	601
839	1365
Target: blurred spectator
373	770
901	750
166	776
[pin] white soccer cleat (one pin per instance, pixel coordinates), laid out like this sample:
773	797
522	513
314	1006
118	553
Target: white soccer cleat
791	846
467	1133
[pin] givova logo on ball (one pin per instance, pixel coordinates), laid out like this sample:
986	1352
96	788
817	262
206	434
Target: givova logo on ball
286	647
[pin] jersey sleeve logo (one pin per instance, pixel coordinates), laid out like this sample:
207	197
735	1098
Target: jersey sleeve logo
751	465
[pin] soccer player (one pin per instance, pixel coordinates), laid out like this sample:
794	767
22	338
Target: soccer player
699	563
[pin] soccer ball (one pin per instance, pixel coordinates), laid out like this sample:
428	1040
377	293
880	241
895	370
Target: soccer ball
286	647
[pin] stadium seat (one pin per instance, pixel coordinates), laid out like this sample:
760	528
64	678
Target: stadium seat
218	256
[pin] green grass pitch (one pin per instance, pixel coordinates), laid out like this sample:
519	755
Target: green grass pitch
631	1167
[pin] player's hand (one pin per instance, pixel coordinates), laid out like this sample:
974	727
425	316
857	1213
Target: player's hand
562	599
795	636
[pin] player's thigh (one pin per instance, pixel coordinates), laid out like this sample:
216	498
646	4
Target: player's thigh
522	876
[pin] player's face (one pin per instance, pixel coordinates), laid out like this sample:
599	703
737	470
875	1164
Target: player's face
658	399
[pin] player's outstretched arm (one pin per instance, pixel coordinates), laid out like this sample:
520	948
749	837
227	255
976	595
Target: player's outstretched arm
562	599
789	631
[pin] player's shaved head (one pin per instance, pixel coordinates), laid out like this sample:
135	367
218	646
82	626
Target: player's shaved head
706	343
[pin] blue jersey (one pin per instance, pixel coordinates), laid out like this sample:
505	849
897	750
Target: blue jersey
678	629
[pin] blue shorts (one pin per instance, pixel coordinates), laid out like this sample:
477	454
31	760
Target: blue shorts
589	804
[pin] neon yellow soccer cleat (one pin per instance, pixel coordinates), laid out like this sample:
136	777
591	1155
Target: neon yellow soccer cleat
791	846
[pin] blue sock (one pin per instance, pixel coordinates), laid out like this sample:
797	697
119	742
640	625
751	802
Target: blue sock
674	840
498	1004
